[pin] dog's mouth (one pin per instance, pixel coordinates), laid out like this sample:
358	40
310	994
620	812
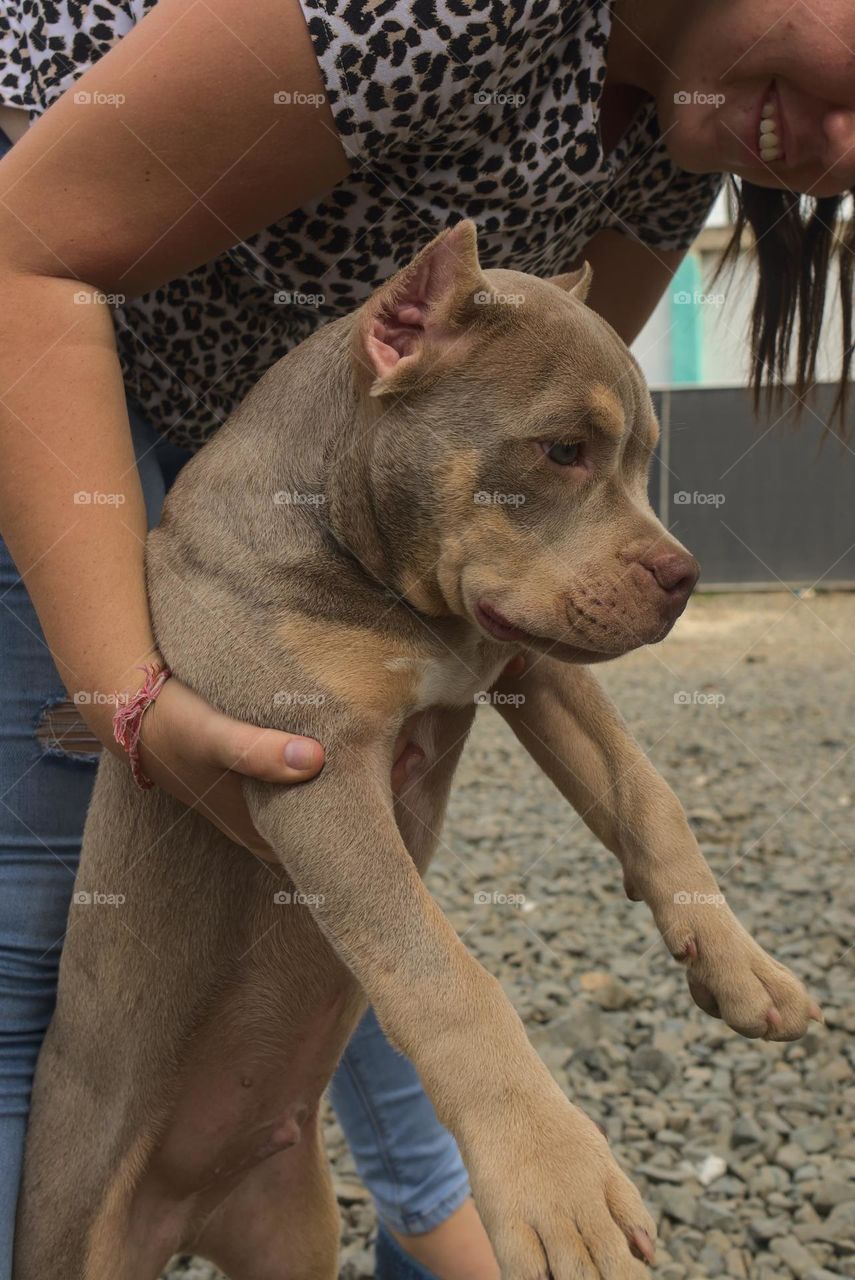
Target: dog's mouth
500	627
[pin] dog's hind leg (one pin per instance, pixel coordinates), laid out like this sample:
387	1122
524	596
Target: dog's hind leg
87	1227
281	1221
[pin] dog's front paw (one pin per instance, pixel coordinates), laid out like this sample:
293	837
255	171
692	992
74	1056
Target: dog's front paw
730	976
557	1205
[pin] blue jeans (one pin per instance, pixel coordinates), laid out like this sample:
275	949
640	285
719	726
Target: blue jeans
408	1161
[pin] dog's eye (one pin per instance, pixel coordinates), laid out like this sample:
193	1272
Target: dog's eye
562	453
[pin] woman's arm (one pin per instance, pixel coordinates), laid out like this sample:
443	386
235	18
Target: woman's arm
179	152
629	279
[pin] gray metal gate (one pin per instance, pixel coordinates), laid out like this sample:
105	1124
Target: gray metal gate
762	502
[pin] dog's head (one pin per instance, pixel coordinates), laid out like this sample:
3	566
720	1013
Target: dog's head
505	437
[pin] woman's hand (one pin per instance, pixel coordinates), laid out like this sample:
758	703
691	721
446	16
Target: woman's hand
199	755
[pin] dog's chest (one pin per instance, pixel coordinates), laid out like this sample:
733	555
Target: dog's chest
456	677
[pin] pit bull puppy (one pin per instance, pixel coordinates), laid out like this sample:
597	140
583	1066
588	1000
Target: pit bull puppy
451	477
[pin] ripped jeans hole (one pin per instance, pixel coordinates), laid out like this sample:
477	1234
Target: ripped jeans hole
62	731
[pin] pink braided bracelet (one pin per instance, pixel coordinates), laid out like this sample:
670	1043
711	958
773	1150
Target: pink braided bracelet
127	719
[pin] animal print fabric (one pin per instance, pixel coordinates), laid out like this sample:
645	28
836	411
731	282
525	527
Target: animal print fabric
447	109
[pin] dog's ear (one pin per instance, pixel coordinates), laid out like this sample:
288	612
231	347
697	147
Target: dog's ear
417	322
576	283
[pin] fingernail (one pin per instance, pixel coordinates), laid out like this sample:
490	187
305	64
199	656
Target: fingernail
301	754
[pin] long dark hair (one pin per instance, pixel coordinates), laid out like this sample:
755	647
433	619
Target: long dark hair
796	239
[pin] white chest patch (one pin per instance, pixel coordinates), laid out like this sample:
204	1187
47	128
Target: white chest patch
452	679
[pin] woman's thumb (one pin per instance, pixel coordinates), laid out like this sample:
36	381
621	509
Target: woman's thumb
267	754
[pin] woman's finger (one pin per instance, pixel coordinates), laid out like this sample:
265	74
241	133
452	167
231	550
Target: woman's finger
267	754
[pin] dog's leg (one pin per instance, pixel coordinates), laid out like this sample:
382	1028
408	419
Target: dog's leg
551	1196
572	729
281	1222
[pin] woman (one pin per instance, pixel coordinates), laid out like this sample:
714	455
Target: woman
207	183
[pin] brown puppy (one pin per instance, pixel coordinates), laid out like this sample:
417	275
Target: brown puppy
452	476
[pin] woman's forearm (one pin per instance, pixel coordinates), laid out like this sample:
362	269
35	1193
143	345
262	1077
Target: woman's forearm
71	505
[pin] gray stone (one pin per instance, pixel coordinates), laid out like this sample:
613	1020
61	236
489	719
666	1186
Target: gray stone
651	1068
678	1204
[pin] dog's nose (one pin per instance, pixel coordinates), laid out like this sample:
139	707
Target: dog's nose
675	572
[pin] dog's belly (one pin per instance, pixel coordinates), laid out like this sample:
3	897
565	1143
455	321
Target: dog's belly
250	1080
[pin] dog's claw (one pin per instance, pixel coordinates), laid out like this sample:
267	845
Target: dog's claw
689	952
774	1019
642	1246
815	1013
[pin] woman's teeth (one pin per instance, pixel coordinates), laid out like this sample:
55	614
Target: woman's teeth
769	142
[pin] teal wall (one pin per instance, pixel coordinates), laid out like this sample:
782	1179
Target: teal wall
686	323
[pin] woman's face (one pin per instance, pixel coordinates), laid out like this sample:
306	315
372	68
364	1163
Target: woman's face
764	89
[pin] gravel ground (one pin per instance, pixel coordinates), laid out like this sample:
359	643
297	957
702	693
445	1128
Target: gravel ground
744	1151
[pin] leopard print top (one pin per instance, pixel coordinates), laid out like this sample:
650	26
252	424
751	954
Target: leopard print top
447	108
